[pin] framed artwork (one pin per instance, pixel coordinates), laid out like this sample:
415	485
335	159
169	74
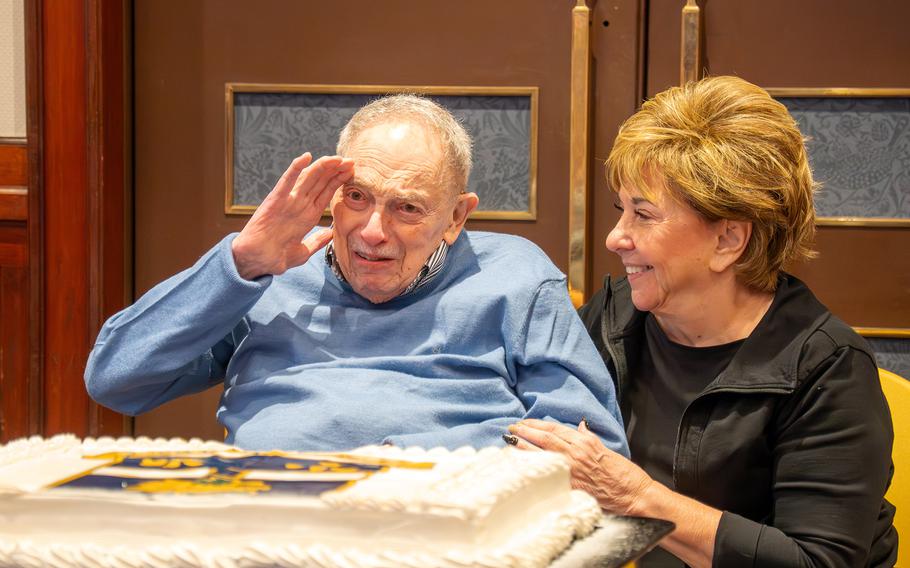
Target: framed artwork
859	149
268	125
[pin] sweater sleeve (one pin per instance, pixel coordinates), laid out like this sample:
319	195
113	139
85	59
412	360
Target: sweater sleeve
176	339
560	374
556	373
832	467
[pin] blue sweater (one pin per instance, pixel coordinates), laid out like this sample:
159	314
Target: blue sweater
309	364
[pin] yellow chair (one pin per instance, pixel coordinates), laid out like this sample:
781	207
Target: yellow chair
897	391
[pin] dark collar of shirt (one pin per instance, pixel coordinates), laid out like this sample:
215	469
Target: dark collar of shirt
430	269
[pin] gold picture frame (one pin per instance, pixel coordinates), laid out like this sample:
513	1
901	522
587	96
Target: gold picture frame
231	207
847	92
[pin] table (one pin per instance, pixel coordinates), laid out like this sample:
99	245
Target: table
616	542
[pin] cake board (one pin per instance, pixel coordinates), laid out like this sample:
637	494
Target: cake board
616	542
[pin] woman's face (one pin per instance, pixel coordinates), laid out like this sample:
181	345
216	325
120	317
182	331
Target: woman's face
666	248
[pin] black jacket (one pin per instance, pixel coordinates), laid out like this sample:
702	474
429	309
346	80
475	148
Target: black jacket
792	441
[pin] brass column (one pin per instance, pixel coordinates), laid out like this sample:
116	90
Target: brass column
579	141
689	53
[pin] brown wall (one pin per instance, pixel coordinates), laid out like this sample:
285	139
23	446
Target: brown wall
620	71
862	274
186	51
782	43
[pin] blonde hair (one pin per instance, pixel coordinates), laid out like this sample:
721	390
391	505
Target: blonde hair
730	151
455	140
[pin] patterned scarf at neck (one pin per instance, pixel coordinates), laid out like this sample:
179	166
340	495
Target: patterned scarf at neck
426	274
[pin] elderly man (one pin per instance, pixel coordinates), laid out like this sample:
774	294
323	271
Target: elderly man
406	330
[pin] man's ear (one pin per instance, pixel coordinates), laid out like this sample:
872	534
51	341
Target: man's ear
732	238
467	202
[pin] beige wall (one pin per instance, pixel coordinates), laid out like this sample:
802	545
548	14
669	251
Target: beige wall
12	68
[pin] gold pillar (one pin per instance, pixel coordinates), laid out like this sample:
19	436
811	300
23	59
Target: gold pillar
690	55
579	140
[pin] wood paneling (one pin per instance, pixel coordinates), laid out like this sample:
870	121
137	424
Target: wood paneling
80	217
17	409
34	92
13	254
13	165
65	222
14	353
13	204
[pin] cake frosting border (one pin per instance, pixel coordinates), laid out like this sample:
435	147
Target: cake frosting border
539	543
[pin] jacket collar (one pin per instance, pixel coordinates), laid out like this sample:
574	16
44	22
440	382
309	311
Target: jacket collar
768	359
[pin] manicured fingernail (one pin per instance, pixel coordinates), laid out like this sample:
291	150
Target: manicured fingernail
510	439
586	423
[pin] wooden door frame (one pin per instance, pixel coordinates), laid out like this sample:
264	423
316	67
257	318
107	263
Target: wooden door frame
79	107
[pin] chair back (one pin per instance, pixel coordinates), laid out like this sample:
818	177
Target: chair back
897	391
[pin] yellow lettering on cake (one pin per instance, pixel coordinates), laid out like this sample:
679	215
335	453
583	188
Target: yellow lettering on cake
170	463
335	467
212	484
327	467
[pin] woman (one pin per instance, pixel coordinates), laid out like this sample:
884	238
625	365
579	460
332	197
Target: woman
754	416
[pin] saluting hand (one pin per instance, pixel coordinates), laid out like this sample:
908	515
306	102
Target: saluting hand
273	240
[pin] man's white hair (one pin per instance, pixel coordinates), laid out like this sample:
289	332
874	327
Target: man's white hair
455	140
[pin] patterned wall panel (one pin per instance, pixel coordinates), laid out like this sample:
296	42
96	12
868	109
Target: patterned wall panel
860	151
892	354
271	128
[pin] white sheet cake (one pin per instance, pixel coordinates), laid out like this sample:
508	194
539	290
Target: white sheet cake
142	502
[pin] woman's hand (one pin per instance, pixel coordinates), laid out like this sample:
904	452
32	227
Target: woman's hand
618	484
623	488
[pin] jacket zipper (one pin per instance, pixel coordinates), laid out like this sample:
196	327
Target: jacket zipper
710	391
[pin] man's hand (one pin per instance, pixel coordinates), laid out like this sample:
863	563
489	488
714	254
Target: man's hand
273	239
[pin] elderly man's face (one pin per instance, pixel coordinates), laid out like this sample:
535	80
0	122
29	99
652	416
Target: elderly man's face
396	210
